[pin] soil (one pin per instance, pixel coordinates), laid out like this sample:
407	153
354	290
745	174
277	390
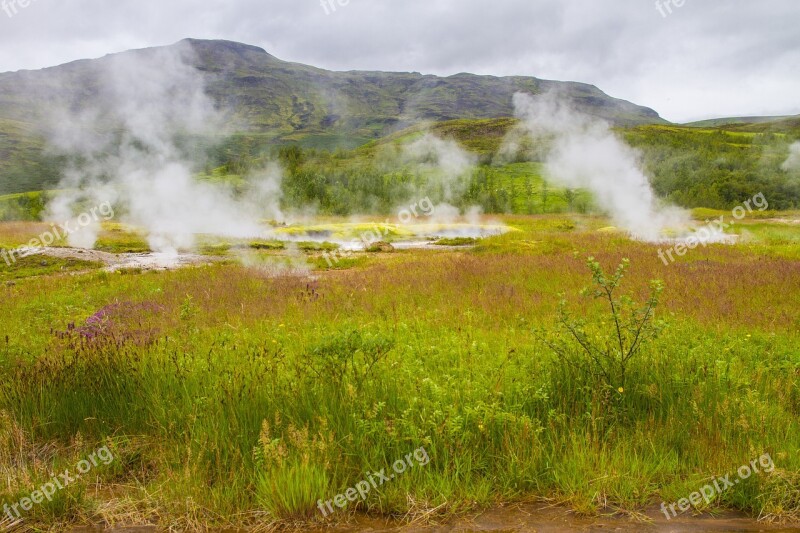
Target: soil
539	518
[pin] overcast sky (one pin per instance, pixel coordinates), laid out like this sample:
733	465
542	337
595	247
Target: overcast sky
706	58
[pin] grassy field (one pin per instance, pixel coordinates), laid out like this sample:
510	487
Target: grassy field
229	396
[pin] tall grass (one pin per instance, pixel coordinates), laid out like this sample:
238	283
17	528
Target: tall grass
232	398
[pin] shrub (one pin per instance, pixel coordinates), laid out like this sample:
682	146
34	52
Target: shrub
602	352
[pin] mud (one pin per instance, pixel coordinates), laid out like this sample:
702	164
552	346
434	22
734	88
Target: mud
789	221
538	518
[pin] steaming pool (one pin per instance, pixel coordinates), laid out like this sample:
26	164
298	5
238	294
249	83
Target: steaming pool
281	247
358	237
279	241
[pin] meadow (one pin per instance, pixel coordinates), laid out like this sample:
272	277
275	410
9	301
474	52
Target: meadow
230	396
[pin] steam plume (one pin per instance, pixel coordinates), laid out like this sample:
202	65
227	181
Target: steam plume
153	98
446	165
585	153
793	162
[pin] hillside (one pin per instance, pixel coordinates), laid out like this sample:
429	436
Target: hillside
691	167
789	126
735	121
279	101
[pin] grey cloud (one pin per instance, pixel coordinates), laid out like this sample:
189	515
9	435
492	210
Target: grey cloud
706	58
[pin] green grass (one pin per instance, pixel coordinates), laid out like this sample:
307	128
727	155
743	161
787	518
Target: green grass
308	246
22	206
319	262
267	245
735	121
252	396
40	265
456	241
122	242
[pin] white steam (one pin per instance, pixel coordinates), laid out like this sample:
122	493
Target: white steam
793	162
62	209
585	153
151	98
447	168
444	163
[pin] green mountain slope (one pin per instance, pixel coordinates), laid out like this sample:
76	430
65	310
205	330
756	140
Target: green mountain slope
718	168
280	102
735	121
789	126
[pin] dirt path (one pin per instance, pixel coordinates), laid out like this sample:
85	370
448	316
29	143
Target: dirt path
537	518
792	221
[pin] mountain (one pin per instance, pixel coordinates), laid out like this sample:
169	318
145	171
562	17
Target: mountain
282	102
789	125
737	121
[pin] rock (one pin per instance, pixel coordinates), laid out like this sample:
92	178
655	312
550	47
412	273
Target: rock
382	247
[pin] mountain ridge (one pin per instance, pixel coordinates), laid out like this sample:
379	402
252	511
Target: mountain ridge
281	101
251	65
738	121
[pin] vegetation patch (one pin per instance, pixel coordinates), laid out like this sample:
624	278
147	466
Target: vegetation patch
42	265
456	241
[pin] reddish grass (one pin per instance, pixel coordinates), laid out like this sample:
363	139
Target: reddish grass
722	287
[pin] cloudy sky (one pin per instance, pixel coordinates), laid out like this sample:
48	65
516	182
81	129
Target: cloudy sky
704	59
